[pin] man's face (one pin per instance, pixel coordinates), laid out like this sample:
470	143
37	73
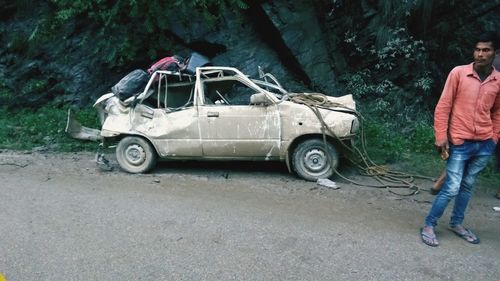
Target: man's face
484	54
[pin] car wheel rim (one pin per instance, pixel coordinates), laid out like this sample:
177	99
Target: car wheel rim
135	154
315	160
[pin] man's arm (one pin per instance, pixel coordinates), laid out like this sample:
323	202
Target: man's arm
443	110
495	118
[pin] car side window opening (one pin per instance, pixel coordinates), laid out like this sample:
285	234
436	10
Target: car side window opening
170	94
227	92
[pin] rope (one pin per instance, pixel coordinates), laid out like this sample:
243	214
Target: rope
383	175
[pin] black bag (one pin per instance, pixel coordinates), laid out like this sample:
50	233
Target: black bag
133	83
194	61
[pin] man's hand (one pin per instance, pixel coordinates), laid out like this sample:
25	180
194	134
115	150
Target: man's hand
442	148
442	144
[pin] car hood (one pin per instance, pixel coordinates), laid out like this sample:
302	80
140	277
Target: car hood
300	119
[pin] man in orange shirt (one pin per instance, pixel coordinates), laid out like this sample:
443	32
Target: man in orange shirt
440	180
467	123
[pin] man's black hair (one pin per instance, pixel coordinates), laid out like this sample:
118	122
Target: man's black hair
489	37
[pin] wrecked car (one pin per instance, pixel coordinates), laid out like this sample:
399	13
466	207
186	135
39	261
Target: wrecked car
219	113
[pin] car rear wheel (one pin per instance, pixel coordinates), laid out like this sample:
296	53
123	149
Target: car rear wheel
135	155
314	159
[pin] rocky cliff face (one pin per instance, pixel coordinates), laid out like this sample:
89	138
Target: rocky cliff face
283	37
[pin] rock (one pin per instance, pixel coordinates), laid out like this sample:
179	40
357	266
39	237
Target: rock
300	30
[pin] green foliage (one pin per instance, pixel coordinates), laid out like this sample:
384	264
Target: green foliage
392	81
26	129
17	44
388	144
360	85
422	138
389	75
34	86
383	145
400	60
6	94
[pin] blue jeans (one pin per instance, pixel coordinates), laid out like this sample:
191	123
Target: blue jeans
463	167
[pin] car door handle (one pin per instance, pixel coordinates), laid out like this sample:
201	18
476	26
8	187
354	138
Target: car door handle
212	114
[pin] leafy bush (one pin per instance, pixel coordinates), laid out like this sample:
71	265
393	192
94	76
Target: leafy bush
388	143
422	138
34	86
6	94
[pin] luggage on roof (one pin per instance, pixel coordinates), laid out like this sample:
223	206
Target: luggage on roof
194	61
133	83
173	63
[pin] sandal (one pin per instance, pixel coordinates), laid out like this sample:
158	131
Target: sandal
466	234
429	239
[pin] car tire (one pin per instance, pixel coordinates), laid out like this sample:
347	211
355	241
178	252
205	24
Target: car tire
311	162
135	155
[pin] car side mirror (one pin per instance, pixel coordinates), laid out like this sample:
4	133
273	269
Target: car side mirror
260	99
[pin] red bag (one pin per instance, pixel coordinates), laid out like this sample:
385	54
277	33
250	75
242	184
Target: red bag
173	63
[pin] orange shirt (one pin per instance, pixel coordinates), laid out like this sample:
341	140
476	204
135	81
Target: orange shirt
468	109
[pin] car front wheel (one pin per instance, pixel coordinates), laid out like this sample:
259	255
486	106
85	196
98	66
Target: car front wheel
314	159
135	155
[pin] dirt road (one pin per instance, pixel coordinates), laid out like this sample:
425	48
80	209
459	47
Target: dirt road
61	218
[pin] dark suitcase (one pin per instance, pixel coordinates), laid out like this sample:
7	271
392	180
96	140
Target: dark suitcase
194	61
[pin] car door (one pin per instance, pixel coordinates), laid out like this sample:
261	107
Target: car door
168	118
232	128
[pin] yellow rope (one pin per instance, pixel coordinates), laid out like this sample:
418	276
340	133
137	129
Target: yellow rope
387	178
